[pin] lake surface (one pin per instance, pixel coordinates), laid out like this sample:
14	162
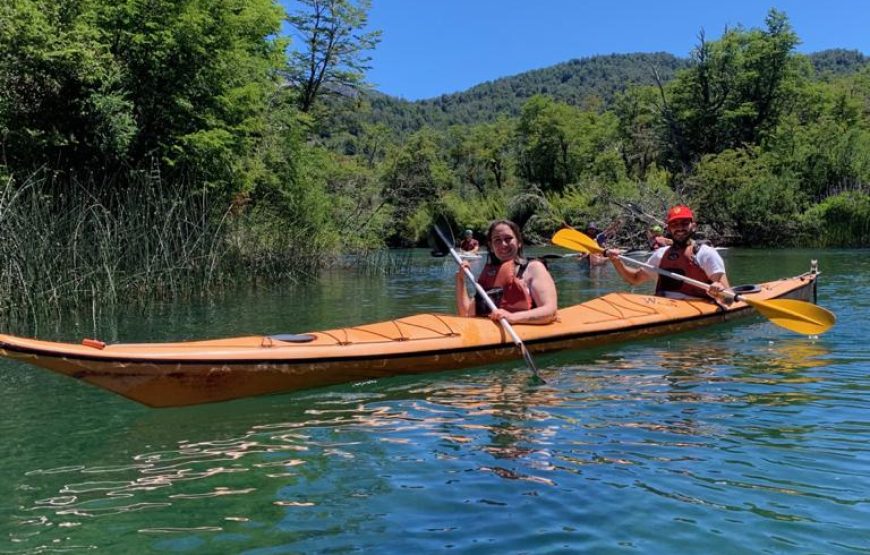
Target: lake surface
741	438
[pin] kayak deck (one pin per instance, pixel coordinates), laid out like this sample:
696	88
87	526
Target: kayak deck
194	372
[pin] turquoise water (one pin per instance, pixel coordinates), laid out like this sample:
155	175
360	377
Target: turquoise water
742	438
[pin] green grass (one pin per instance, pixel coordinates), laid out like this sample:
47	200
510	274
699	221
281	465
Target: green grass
72	246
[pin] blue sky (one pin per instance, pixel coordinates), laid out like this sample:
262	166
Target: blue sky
434	47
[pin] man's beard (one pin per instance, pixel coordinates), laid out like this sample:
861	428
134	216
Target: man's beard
683	242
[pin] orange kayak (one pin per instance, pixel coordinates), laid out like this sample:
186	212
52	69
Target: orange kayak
194	372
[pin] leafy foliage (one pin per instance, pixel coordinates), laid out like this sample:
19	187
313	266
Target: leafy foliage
732	95
838	61
560	145
63	96
95	87
414	176
333	54
841	220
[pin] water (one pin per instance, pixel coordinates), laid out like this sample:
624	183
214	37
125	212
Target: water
742	438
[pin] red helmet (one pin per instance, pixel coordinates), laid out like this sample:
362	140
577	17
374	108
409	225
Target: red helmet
680	212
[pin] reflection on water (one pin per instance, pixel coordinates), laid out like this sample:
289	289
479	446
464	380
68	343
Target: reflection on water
652	422
738	439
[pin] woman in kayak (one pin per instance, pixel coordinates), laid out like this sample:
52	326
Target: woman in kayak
685	256
522	289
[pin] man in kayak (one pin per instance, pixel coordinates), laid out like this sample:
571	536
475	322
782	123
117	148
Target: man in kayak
522	290
469	244
685	256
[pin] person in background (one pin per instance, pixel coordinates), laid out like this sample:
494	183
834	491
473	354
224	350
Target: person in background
601	237
593	231
469	244
685	256
656	239
522	290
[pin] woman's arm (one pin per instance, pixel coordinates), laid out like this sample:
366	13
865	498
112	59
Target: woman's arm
464	303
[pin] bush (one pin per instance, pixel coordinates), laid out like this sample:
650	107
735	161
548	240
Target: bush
766	212
839	221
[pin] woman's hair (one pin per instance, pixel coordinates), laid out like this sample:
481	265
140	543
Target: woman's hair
493	259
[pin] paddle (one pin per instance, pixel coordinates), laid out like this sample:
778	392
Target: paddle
798	316
552	256
482	292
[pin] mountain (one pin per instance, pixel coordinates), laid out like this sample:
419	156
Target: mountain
576	82
838	61
580	82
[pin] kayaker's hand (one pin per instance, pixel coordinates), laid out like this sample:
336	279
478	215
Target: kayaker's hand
716	289
612	253
460	275
500	313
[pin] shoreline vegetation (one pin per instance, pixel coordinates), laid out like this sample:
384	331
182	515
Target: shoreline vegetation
73	248
173	150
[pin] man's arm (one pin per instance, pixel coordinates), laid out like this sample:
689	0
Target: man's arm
634	276
714	267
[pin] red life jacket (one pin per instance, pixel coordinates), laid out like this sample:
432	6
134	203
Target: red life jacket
507	276
681	262
469	244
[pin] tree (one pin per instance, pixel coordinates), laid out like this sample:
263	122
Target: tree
483	154
561	145
734	93
332	54
186	86
414	176
203	76
637	129
825	140
62	99
545	143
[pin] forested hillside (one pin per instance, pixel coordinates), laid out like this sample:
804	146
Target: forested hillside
591	82
838	62
175	148
588	82
768	141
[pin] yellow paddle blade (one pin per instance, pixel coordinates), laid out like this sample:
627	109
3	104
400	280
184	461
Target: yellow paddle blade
576	241
798	316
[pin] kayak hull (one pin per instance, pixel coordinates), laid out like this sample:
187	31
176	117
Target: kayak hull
196	372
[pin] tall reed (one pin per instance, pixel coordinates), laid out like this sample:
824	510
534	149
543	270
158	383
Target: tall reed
75	245
379	262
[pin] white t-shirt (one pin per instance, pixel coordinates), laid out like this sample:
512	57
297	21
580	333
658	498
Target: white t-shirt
707	258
